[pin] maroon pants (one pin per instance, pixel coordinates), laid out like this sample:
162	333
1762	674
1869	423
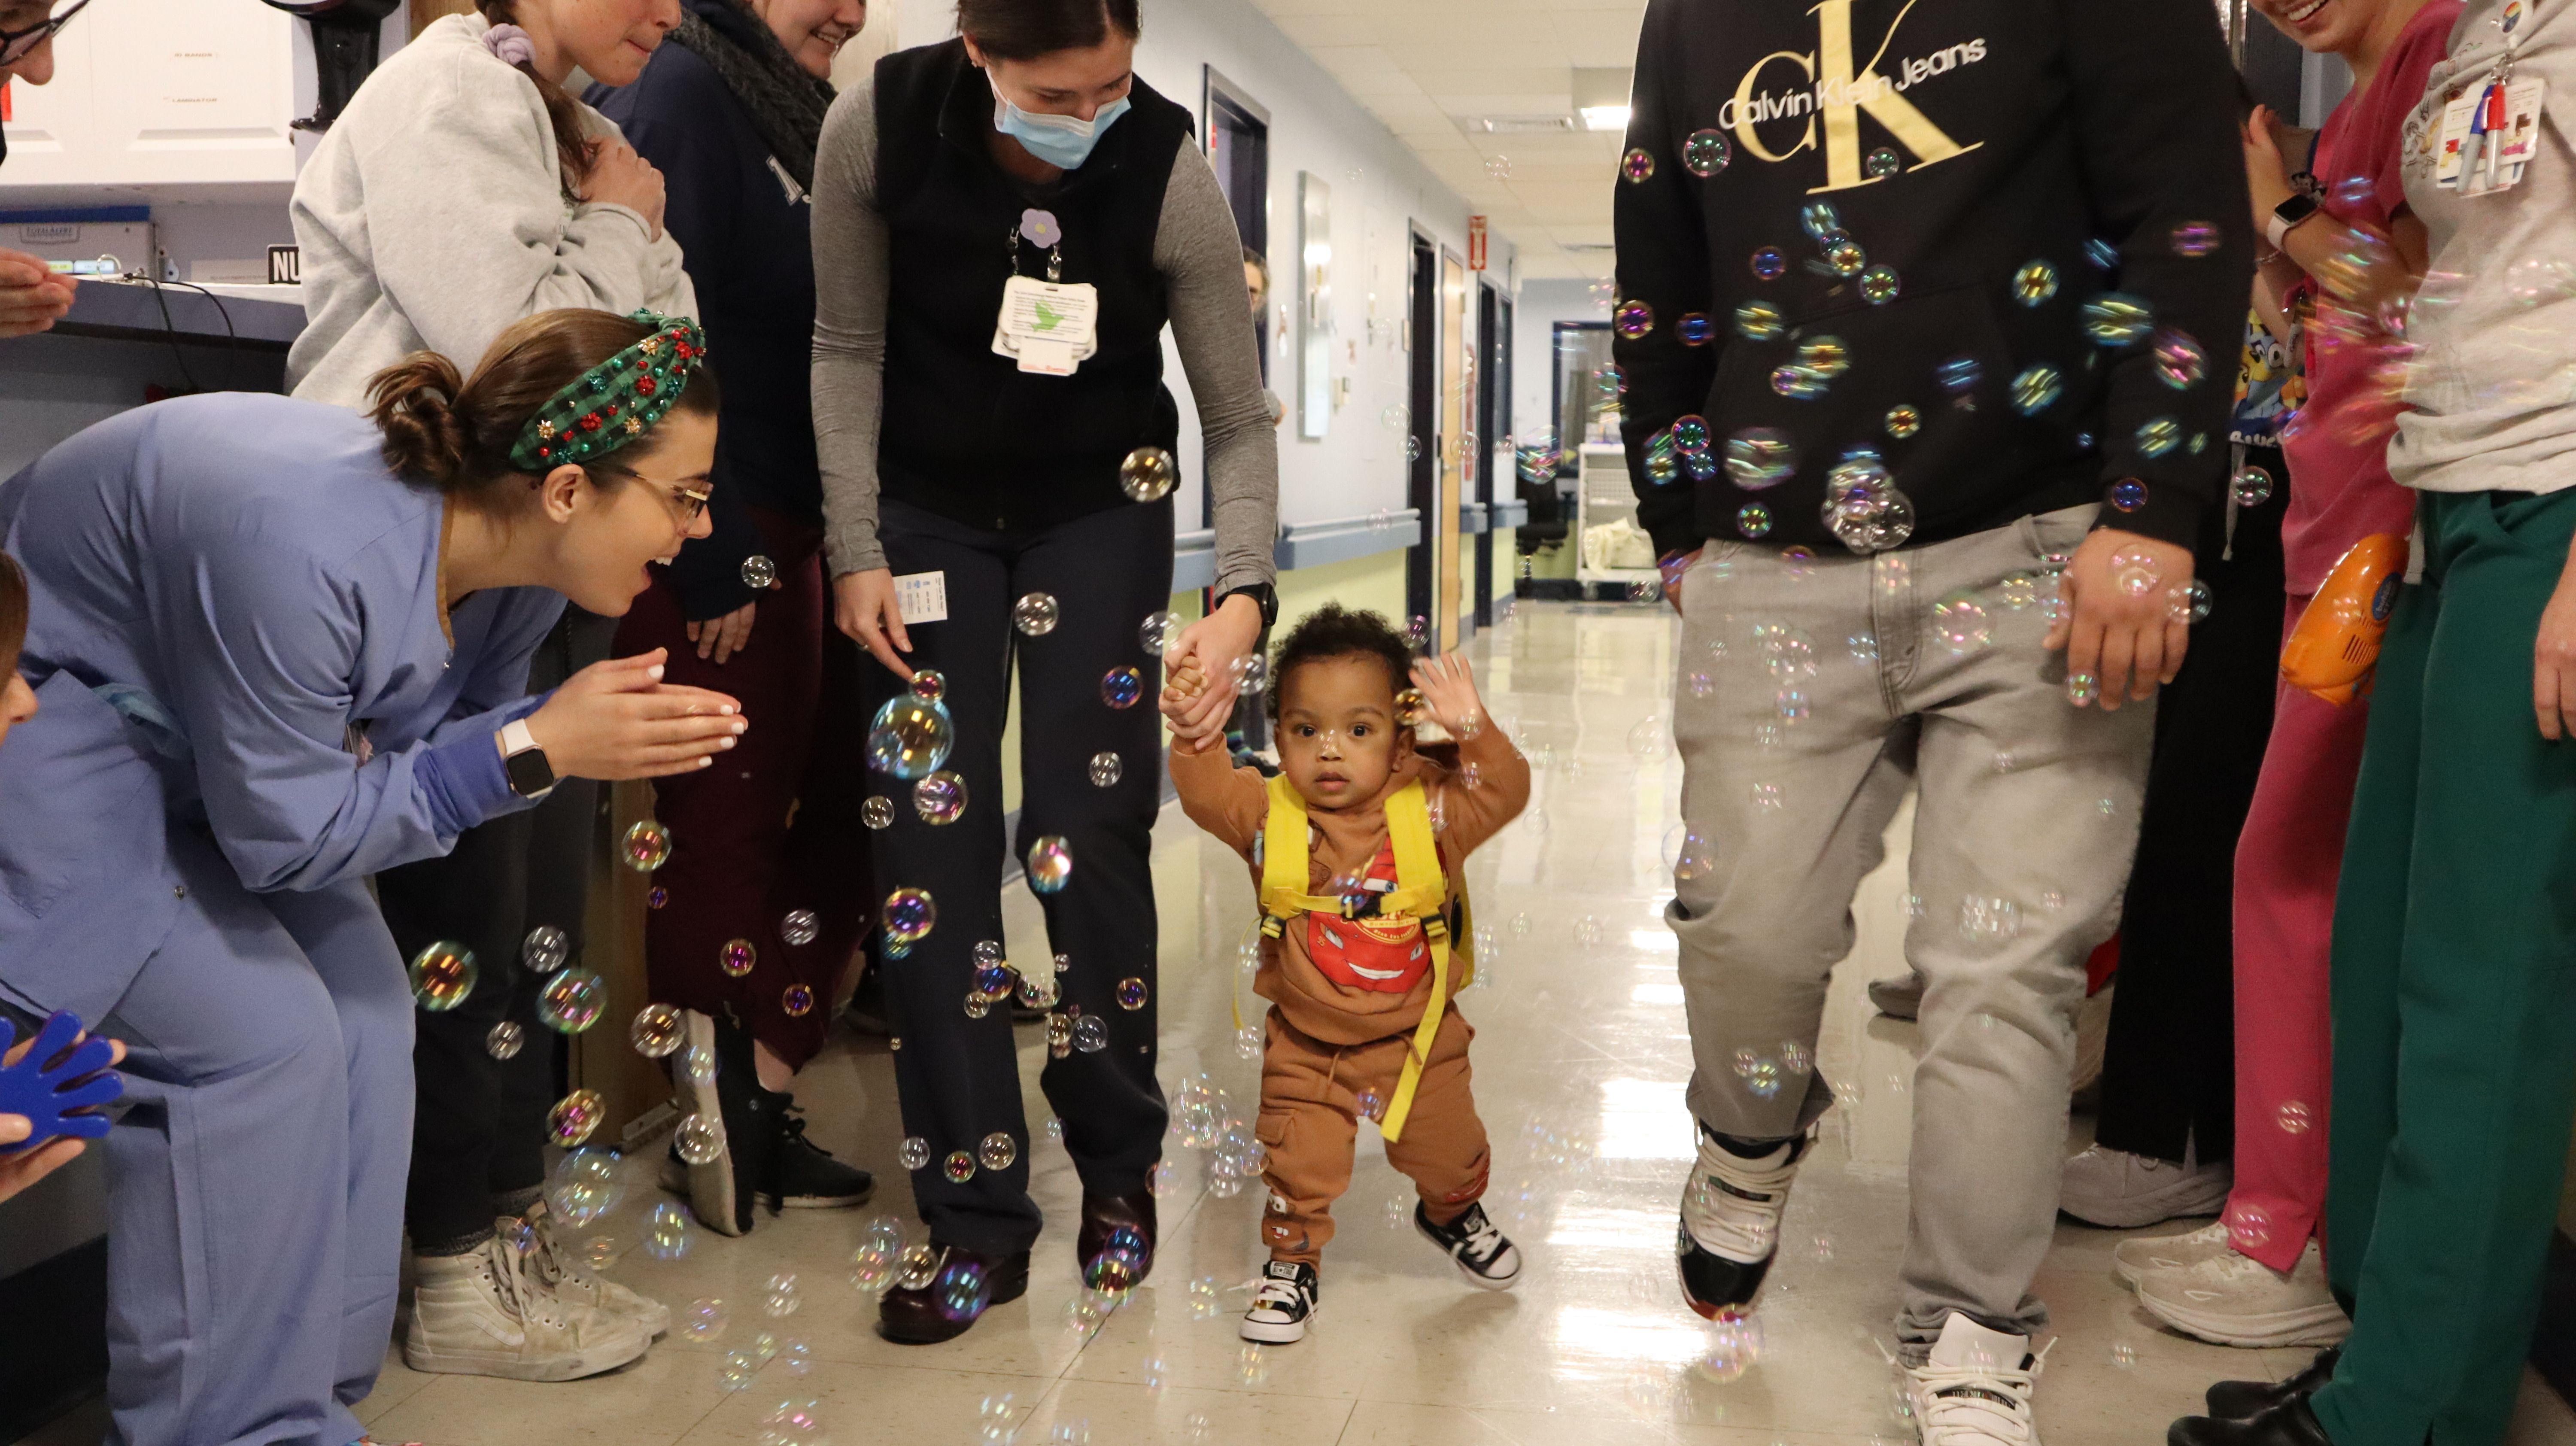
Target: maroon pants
772	828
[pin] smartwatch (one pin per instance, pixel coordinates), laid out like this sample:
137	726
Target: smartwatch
2286	216
1261	593
531	776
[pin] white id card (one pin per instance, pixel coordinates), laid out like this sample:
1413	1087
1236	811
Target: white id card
1049	327
2455	133
2521	136
921	597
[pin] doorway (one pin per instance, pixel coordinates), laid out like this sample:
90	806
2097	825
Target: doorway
1238	149
1421	446
1493	429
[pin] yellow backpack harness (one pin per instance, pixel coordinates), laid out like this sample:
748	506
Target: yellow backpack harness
1421	894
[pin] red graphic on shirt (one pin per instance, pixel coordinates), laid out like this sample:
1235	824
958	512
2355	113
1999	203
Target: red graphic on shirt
1385	955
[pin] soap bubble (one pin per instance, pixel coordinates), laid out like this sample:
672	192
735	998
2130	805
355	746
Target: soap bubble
1706	152
574	1117
993	982
940	798
2188	603
2249	1227
877	812
1760	457
1090	1035
666	1232
1498	167
2251	486
1880	285
2034	282
647	846
572	1001
2101	254
2124	1356
545	949
1759	320
505	1040
2082	688
2116	318
2535	280
442	975
657	1032
1131	993
2133	571
1984	919
2158	435
1159	633
1147	474
1035	615
913	1153
584	1187
1633	319
1693	328
656	896
759	573
734	1373
1637	165
998	1151
1768	264
1050	863
2194	238
797	1000
783	1298
800	928
909	915
1734	1344
1881	164
699	1140
961	1292
2018	591
1959	375
1645	590
1960	621
1826	356
2180	362
704	1320
2128	494
1845	257
910	737
698	1065
2036	388
929	685
1106	770
1121	687
1820	220
958	1168
2293	1117
737	957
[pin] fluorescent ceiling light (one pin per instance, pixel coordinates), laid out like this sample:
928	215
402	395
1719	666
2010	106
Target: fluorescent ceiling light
1605	118
1601	96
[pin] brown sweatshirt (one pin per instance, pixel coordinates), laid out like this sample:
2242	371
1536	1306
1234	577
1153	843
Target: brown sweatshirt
1319	972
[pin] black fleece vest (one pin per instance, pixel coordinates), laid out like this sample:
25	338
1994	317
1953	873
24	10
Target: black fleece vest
967	434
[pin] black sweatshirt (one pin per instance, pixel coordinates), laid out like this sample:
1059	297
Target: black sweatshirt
1956	142
741	222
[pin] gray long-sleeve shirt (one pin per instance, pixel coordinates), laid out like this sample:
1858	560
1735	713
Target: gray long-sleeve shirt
1201	261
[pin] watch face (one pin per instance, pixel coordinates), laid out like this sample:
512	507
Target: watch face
529	772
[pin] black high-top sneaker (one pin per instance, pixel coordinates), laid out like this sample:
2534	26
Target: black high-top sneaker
1282	1304
1484	1254
803	1175
1730	1226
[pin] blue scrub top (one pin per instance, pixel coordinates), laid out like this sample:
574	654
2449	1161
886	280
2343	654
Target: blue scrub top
227	592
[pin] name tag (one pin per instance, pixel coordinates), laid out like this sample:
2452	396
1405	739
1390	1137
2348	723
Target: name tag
1048	327
922	597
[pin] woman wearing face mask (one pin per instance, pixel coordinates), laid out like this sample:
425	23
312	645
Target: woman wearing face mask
730	112
462	190
281	646
1003	224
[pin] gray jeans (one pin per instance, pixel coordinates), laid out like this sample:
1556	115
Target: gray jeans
1809	694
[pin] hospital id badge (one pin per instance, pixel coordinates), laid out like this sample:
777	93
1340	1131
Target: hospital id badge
1049	327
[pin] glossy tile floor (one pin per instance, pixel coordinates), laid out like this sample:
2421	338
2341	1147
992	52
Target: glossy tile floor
1580	1060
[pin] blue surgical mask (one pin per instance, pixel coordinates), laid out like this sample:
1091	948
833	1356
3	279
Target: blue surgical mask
1062	141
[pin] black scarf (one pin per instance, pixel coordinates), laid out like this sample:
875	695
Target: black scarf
786	102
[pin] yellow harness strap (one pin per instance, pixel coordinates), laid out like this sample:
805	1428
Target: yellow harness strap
1421	890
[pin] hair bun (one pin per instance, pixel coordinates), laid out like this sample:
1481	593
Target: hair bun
414	405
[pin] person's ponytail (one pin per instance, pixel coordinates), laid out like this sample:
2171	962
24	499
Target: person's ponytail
456	435
572	143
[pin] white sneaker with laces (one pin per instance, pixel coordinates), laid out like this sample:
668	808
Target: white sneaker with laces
565	1275
486	1313
2119	1190
1485	1255
1975	1389
1731	1222
2236	1300
1282	1303
2137	1259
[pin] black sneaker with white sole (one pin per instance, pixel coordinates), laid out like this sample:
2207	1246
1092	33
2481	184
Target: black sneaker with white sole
1282	1304
1730	1227
1485	1255
804	1176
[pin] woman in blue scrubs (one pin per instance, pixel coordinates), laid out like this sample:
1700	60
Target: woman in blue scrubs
279	646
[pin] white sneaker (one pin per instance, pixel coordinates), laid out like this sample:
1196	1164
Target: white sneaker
2118	1190
486	1313
1731	1222
2137	1259
1282	1304
2236	1300
565	1275
1975	1390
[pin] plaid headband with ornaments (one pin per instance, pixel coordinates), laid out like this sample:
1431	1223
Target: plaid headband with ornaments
616	401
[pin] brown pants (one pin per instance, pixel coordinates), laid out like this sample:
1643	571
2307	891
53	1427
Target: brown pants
1310	1094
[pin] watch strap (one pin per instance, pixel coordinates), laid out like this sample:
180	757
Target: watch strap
1263	595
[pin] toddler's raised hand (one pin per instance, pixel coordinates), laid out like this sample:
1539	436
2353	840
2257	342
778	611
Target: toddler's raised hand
1448	688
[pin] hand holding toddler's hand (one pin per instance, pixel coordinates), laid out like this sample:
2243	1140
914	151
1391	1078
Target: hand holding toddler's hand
1448	688
1185	686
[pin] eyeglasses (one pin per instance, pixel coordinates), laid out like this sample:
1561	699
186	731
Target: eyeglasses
690	504
16	44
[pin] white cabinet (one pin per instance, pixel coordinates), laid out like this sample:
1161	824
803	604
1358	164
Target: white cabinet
161	94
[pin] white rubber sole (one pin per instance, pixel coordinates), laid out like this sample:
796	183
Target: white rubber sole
1276	1333
510	1366
1481	1282
2137	1212
710	1184
2321	1325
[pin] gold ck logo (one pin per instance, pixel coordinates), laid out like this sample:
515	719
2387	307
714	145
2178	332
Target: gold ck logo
1838	94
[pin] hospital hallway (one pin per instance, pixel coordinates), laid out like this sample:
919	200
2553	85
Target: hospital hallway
1580	1061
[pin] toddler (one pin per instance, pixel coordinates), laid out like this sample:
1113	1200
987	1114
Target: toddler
1358	849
